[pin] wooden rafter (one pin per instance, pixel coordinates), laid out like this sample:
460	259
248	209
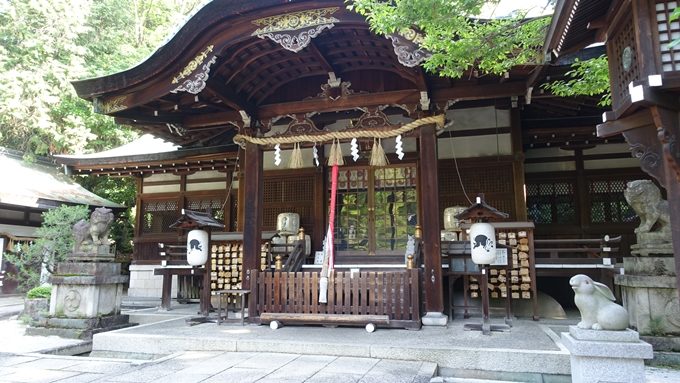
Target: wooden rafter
216	86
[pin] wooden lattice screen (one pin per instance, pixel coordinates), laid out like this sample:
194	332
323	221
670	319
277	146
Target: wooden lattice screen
668	31
551	201
494	179
289	193
607	203
158	214
623	40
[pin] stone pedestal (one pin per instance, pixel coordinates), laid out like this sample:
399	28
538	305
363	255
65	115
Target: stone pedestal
606	356
86	298
435	319
648	290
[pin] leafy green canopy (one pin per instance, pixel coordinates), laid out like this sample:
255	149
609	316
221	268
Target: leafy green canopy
459	41
589	77
54	243
45	44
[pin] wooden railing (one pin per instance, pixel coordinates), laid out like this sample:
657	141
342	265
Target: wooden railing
577	250
393	294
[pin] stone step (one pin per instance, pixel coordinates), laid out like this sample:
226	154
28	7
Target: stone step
440	379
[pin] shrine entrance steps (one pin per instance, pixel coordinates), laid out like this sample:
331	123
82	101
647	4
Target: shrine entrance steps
530	352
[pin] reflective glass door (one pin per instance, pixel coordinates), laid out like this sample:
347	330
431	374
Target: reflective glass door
376	208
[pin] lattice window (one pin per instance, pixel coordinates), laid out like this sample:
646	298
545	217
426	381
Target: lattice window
289	194
214	204
668	31
607	203
623	44
551	202
158	215
495	181
376	208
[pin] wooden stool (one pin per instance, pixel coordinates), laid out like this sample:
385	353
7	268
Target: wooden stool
221	294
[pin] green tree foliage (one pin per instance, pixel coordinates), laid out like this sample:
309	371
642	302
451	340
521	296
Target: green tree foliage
55	242
45	44
459	41
120	190
588	77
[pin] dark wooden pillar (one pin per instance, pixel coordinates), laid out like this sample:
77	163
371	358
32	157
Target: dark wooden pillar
252	225
429	208
518	165
241	195
667	122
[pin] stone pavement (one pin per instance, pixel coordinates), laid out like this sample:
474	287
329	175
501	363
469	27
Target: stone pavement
208	367
21	362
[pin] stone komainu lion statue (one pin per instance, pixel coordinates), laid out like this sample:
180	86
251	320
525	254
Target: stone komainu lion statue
92	233
645	199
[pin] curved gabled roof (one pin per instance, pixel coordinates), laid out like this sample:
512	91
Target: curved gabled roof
238	62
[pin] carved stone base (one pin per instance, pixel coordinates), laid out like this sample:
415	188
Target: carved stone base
656	249
660	266
606	356
77	328
652	303
86	289
102	253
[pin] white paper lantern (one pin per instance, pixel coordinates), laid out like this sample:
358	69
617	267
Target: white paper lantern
483	243
197	247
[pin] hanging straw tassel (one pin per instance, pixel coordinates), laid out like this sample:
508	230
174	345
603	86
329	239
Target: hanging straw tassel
335	155
378	157
296	157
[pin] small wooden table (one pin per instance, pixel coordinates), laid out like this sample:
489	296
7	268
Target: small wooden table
167	273
221	294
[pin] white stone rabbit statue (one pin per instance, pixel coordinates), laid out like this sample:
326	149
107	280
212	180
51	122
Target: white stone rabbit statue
596	303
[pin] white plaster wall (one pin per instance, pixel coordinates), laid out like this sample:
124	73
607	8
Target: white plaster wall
206	174
151	189
160	177
478	118
206	186
474	146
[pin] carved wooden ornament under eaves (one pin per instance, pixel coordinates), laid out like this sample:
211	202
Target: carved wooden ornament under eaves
109	105
295	30
195	83
407	48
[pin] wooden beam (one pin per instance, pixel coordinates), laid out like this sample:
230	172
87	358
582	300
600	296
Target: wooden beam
314	51
290	73
429	208
213	119
273	48
634	121
262	69
477	92
345	103
216	86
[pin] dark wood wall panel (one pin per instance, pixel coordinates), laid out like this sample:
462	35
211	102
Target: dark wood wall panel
493	177
290	192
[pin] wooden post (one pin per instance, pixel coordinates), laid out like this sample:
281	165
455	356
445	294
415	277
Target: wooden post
518	165
430	222
205	304
252	223
241	195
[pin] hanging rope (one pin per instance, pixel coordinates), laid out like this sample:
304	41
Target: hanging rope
242	139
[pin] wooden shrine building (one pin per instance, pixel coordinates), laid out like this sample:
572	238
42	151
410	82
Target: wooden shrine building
244	87
644	73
